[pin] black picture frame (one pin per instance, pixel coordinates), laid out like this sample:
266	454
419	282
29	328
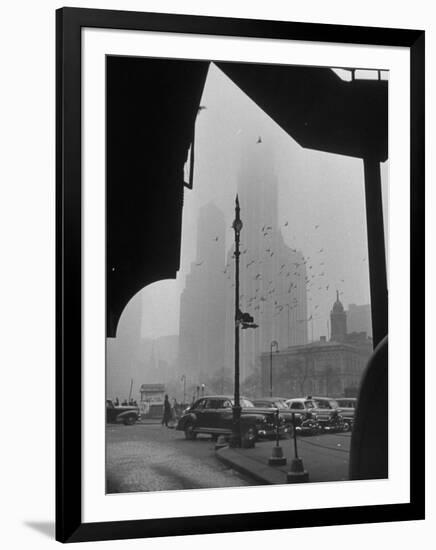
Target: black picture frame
69	22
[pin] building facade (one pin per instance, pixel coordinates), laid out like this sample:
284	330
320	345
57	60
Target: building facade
329	368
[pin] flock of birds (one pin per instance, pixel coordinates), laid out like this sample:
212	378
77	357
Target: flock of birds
301	275
281	292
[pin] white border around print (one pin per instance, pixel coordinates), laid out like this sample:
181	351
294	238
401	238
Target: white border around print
99	507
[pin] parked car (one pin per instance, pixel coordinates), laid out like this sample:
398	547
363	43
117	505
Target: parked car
126	414
323	411
347	407
213	415
278	404
329	414
305	413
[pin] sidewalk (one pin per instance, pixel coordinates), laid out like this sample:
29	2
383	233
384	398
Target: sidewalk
325	458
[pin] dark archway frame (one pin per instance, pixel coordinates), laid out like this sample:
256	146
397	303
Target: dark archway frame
70	21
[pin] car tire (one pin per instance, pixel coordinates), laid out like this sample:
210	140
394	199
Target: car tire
190	435
129	421
249	437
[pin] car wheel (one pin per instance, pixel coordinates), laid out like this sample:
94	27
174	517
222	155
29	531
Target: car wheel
129	421
249	437
190	435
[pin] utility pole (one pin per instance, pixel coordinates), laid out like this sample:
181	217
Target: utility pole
130	392
273	344
184	387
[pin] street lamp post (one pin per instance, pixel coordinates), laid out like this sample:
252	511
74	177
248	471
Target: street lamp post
274	344
184	388
244	321
236	433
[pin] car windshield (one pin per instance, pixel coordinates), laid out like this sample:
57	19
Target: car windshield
323	404
346	403
270	404
244	402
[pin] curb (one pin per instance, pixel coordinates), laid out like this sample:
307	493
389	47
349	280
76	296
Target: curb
262	473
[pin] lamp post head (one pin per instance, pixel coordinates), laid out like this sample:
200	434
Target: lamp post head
275	344
237	223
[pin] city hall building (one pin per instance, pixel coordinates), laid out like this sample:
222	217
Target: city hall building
325	367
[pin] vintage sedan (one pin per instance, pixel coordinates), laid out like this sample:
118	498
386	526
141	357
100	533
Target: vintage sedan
213	415
280	406
323	410
123	414
306	415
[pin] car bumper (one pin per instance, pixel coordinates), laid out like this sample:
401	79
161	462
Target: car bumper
271	432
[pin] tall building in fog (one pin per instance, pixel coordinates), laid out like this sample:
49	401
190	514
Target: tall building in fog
202	303
124	357
272	275
359	318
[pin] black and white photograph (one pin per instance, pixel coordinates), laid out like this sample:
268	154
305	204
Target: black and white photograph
217	267
246	274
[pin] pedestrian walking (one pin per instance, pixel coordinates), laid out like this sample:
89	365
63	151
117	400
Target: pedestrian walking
166	412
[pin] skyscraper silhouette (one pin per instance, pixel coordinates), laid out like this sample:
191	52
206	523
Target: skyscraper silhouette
202	306
273	275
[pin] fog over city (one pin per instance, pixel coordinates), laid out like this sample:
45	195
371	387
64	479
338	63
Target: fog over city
310	239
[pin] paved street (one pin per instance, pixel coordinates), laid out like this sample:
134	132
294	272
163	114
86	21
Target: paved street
149	457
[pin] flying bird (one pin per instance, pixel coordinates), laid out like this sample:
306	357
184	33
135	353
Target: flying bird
259	140
199	263
202	108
